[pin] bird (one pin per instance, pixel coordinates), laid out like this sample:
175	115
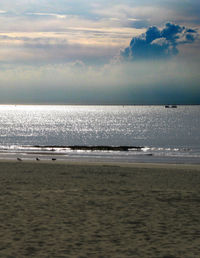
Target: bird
37	159
53	159
19	159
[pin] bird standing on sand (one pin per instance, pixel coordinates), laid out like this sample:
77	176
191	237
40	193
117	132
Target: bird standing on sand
19	159
37	159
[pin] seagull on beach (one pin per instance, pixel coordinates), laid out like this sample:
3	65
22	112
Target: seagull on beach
37	159
19	159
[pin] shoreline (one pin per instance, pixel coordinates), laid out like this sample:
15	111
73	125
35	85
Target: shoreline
104	153
101	158
107	163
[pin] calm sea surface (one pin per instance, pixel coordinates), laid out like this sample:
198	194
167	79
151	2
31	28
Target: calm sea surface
165	134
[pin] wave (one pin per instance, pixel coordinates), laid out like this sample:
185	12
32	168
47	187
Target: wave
94	148
62	149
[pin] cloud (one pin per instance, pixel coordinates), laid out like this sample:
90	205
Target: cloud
59	16
156	43
136	83
144	14
138	24
49	48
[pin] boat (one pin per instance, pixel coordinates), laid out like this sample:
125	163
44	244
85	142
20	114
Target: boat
170	106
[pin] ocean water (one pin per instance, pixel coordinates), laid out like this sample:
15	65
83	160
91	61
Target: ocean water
160	134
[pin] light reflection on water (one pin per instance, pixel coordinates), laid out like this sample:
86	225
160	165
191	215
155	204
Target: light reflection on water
151	126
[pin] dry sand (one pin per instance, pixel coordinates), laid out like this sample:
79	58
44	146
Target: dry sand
99	210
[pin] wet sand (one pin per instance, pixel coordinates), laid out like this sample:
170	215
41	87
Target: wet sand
54	209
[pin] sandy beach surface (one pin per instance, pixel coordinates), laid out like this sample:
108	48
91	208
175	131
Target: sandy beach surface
57	209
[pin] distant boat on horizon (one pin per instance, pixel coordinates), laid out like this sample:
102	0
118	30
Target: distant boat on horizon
170	106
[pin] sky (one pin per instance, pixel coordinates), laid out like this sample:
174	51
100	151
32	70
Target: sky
100	52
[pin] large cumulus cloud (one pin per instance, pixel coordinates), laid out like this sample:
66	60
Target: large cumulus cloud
157	44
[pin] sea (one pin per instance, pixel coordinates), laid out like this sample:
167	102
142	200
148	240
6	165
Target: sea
147	134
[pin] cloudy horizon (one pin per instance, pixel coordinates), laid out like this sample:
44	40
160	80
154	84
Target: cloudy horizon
99	52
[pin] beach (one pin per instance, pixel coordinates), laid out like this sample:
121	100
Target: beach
87	209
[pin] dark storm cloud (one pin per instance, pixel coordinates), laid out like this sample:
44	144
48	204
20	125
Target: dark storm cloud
156	43
190	37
